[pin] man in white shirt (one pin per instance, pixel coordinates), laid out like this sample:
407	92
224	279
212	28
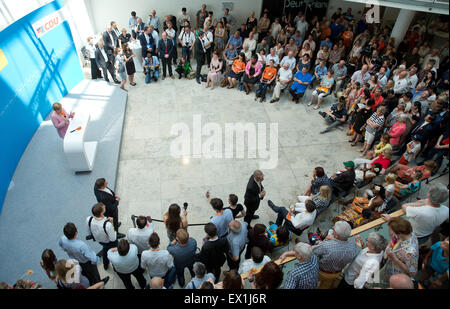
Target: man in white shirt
361	76
250	42
284	77
401	83
412	78
102	231
258	260
433	58
296	219
158	263
208	40
186	39
126	263
290	59
366	263
140	234
154	34
426	215
273	56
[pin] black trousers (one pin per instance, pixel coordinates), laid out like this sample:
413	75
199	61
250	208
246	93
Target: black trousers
109	67
106	247
200	63
215	271
138	274
95	71
181	72
250	212
296	96
113	212
167	62
90	271
208	56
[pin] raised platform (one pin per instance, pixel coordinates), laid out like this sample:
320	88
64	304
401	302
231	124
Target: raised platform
45	193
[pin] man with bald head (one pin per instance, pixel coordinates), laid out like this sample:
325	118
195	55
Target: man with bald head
401	282
361	76
340	73
253	195
401	83
157	283
284	77
237	239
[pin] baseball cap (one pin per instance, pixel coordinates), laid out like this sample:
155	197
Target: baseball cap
349	164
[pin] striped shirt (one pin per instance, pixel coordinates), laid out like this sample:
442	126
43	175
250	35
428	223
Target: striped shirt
334	254
304	275
379	120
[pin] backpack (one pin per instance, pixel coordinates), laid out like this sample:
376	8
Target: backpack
104	227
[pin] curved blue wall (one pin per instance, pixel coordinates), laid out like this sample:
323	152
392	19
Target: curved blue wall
37	68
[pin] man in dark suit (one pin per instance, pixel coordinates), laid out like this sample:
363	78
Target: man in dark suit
147	43
200	52
111	40
105	61
424	128
253	195
165	54
107	196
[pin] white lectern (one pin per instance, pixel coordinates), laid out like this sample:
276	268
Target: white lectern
80	154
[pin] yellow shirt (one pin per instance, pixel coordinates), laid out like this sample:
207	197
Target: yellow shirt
382	147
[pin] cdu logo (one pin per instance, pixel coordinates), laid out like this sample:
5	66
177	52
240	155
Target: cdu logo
3	60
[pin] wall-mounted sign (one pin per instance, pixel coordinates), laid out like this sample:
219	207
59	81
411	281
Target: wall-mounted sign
48	23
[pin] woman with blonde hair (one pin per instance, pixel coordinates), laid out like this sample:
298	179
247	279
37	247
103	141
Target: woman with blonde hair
321	199
60	119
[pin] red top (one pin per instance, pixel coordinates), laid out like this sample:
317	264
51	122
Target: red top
378	101
385	162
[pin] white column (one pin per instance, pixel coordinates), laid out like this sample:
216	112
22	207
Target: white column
401	25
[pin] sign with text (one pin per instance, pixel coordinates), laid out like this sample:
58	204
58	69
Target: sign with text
48	23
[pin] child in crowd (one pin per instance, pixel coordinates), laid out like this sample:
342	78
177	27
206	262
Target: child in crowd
435	265
402	190
412	150
183	68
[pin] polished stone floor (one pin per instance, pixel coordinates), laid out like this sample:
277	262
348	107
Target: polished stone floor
150	179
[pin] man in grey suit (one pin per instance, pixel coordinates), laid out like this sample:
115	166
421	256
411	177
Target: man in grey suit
105	61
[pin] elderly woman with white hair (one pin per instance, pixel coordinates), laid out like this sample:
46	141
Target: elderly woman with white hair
398	130
366	264
334	253
200	276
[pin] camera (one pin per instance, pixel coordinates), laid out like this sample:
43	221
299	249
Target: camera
89	237
185	206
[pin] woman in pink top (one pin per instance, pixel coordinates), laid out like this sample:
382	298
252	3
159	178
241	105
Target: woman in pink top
252	73
60	119
397	130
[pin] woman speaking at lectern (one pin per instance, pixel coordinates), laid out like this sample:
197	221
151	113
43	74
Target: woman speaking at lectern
60	119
